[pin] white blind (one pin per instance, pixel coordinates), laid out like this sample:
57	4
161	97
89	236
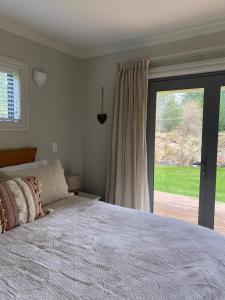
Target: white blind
9	95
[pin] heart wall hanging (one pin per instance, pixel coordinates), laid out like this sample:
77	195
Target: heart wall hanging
102	117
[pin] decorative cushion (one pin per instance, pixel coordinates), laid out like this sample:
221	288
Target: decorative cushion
2	217
19	202
52	179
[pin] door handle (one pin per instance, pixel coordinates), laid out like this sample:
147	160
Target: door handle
197	163
203	165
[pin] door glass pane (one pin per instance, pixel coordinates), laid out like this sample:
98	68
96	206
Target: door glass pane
219	221
178	142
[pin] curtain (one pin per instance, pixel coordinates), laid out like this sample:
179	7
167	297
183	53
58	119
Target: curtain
127	182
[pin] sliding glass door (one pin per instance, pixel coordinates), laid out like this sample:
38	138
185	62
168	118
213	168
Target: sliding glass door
184	118
178	144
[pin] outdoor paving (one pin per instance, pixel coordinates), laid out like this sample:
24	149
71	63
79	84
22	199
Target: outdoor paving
186	208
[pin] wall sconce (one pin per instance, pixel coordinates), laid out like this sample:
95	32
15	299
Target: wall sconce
39	78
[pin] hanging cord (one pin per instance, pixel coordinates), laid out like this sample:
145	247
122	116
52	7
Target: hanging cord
102	100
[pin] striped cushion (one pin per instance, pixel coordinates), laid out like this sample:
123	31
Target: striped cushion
19	202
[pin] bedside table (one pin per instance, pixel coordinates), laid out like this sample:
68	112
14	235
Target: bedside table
88	196
73	182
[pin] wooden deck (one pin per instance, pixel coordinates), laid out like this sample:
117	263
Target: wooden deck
186	208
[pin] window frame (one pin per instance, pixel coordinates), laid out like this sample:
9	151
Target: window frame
211	82
21	66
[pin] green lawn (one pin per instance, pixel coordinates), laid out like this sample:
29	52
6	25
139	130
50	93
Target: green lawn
185	181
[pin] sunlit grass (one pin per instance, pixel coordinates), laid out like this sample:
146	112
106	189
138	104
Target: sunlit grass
185	181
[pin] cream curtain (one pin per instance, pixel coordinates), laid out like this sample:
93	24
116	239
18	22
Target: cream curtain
127	183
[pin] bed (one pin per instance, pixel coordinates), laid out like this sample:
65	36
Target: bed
88	249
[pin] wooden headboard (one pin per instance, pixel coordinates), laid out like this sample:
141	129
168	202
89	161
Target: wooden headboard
14	157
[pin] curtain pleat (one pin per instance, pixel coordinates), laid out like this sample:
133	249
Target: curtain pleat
127	181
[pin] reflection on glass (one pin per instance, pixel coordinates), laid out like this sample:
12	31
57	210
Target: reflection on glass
178	143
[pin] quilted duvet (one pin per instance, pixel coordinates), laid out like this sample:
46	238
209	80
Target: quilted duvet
93	250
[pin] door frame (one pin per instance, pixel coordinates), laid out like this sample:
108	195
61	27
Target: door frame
211	82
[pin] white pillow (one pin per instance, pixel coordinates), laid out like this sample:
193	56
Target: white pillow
25	166
52	179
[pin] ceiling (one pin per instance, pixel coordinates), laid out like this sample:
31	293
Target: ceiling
87	28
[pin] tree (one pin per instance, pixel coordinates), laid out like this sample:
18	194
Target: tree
169	112
192	119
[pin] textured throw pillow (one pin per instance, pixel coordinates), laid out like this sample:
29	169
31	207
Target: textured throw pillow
52	179
2	217
19	202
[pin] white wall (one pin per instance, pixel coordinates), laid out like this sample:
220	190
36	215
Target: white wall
100	71
65	110
54	111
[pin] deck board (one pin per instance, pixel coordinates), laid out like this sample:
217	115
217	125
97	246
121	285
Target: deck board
186	208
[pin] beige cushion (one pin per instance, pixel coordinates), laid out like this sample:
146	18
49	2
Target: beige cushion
52	179
4	176
26	166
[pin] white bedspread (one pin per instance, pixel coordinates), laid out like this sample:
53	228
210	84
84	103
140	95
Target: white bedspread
92	250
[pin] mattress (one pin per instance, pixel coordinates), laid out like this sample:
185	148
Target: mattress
88	249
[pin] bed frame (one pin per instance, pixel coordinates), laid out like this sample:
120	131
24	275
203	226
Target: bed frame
12	157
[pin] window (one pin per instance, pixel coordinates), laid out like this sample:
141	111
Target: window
9	96
13	103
